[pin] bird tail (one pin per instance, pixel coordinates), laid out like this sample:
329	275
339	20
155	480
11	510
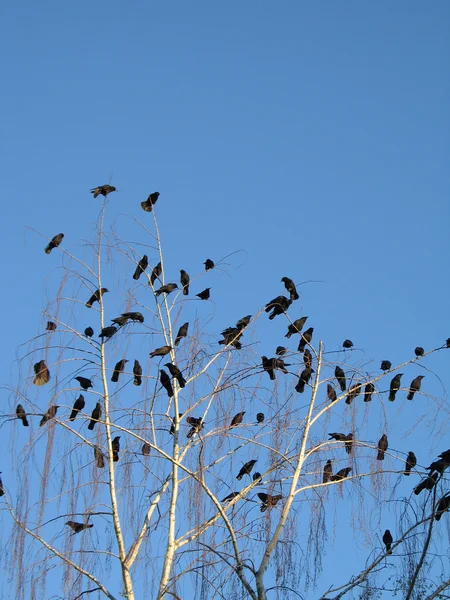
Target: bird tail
91	425
137	380
48	249
392	396
73	414
25	422
380	455
239	477
300	387
115	377
407	472
272	316
88	304
288	335
410	396
295	296
157	293
137	273
185	290
181	380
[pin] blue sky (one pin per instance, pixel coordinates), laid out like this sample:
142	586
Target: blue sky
314	137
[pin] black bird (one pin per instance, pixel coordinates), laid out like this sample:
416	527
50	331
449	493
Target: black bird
176	374
165	382
230	497
22	415
77	406
387	541
162	351
242	323
168	288
438	465
137	372
118	369
415	386
268	500
51	412
54	243
2	491
108	332
237	419
96	297
246	469
172	427
95	416
268	366
296	326
394	387
197	426
115	445
411	462
148	204
42	374
331	393
306	338
279	363
327	472
347	344
257	476
307	358
260	418
184	280
134	316
50	326
339	437
304	378
146	449
89	332
141	266
209	264
368	391
120	321
342	474
290	287
193	420
280	351
204	295
78	527
182	333
349	443
99	457
340	376
353	392
84	382
385	365
382	446
156	272
419	351
443	505
232	335
278	306
103	190
426	484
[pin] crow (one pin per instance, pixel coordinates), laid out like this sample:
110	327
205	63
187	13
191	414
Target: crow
165	382
304	378
353	392
168	288
280	351
438	465
385	365
327	472
141	266
305	339
419	351
133	316
99	457
148	204
230	497
156	272
279	363
118	369
278	306
382	446
77	406
268	366
162	351
443	505
22	415
103	190
347	344
50	414
331	393
290	287
50	326
115	445
176	374
42	374
182	333
137	372
204	295
84	382
415	386
120	321
78	527
426	484
232	335
89	332
340	376
307	358
196	427
339	437
146	449
342	474
96	297
193	420
260	418
242	323
395	386
54	243
257	476
411	462
349	443
368	391
209	264
387	541
95	416
108	332
268	500
237	419
184	280
296	326
246	469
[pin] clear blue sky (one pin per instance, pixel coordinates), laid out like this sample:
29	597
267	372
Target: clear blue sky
313	136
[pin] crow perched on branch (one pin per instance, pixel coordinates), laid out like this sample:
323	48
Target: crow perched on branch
165	382
156	272
118	369
331	393
197	425
182	333
415	386
278	306
96	297
89	332
84	382
340	376
419	351
209	264
184	280
327	472
50	326
141	266
368	391
22	415
77	406
204	295
134	316
78	527
146	449
246	469
382	446
280	351
347	344
95	416
230	497
260	417
232	335
99	457
168	288
353	392
237	419
54	243
395	386
50	414
108	332
411	462
243	323
268	500
148	204
443	505
342	474
296	326
162	351
42	374
387	541
290	287
137	372
103	190
115	445
426	484
304	378
176	374
385	365
305	338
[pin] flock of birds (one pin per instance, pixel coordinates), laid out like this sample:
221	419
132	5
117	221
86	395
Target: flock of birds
231	337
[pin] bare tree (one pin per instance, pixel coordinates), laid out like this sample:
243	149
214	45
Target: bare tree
159	458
